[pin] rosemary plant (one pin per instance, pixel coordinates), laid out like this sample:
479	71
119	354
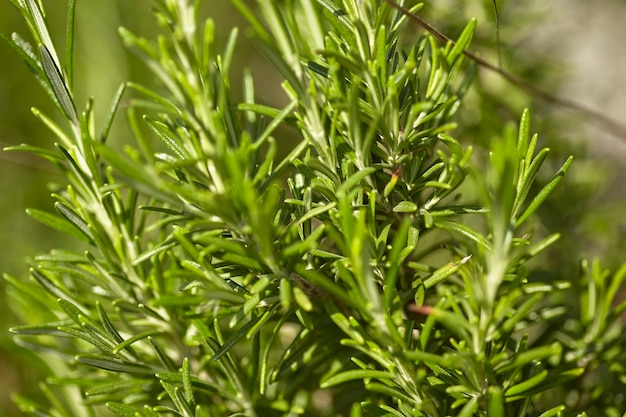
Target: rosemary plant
375	268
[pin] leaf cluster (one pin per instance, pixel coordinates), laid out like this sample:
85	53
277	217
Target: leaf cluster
377	268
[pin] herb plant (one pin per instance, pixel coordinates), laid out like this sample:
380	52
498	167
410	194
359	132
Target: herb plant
378	266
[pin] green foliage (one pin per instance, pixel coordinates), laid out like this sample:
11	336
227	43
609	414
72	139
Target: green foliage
376	267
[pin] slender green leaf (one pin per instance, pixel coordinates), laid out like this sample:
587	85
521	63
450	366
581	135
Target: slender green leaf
405	207
109	363
69	42
555	412
495	405
523	358
237	336
122	410
49	155
462	43
57	223
51	329
365	374
25	51
58	84
444	272
524	133
545	192
465	231
74	219
140	336
108	122
165	135
354	180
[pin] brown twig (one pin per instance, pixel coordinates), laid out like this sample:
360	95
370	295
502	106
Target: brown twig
600	120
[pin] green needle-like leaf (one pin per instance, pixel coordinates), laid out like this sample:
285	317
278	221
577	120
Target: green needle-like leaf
58	85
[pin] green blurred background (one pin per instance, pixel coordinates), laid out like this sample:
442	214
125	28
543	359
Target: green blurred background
573	48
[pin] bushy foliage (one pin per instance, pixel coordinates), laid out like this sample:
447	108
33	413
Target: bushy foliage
378	266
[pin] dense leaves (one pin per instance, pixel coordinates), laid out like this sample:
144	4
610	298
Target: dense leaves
376	268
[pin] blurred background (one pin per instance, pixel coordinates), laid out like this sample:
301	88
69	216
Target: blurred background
572	48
